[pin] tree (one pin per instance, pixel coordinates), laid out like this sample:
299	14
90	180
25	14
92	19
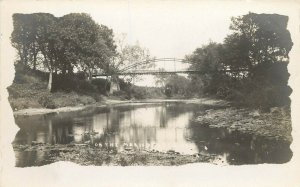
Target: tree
260	43
131	57
207	60
87	45
74	40
46	35
161	79
263	40
177	85
23	37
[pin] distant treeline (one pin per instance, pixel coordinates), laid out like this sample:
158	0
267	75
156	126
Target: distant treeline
256	52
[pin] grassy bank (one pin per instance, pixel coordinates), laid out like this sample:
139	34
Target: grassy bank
29	90
33	93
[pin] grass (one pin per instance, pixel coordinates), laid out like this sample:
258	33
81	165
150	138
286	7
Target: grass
30	91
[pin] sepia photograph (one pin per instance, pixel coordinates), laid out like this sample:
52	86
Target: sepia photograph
150	84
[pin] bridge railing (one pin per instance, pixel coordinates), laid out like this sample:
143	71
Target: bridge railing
128	70
152	60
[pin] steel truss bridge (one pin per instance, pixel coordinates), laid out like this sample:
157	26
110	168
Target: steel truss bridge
133	69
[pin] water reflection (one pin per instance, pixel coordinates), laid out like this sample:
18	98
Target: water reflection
162	127
233	147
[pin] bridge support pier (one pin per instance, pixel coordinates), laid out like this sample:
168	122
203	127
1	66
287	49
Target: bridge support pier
114	84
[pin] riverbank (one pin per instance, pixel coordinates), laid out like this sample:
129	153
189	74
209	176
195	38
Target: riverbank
29	92
273	125
37	111
108	101
88	155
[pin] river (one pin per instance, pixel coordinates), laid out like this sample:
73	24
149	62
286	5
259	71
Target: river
162	126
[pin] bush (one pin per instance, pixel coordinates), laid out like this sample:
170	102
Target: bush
122	94
102	85
13	93
47	102
96	96
85	87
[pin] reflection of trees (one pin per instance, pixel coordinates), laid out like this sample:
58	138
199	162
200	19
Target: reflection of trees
31	158
32	128
61	131
241	148
137	136
119	128
136	127
44	129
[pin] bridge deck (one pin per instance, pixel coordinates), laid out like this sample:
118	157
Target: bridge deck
148	72
157	72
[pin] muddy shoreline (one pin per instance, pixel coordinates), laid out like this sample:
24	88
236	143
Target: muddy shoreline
38	111
90	155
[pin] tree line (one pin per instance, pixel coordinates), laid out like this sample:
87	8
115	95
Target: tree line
73	42
58	45
250	66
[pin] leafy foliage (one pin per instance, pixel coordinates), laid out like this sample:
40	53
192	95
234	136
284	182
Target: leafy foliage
58	45
250	67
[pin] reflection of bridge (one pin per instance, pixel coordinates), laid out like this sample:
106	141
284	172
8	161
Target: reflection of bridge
133	69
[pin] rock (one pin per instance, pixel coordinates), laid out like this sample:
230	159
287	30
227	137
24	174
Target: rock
197	155
275	110
128	148
36	143
255	113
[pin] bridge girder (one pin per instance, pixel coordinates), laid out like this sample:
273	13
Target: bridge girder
125	71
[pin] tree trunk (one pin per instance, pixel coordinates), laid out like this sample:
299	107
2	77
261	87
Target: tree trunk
34	61
34	56
64	69
49	87
90	75
25	56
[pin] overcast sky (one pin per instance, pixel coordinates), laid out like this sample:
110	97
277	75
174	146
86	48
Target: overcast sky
166	28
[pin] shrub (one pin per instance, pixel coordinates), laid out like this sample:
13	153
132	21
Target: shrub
122	94
47	102
86	87
102	85
96	96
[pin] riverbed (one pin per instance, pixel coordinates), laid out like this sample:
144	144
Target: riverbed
155	132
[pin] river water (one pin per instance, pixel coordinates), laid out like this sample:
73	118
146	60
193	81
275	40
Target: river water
164	126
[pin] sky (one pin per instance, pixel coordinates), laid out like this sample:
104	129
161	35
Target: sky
170	29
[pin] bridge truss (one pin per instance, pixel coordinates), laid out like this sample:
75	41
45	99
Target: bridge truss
132	69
